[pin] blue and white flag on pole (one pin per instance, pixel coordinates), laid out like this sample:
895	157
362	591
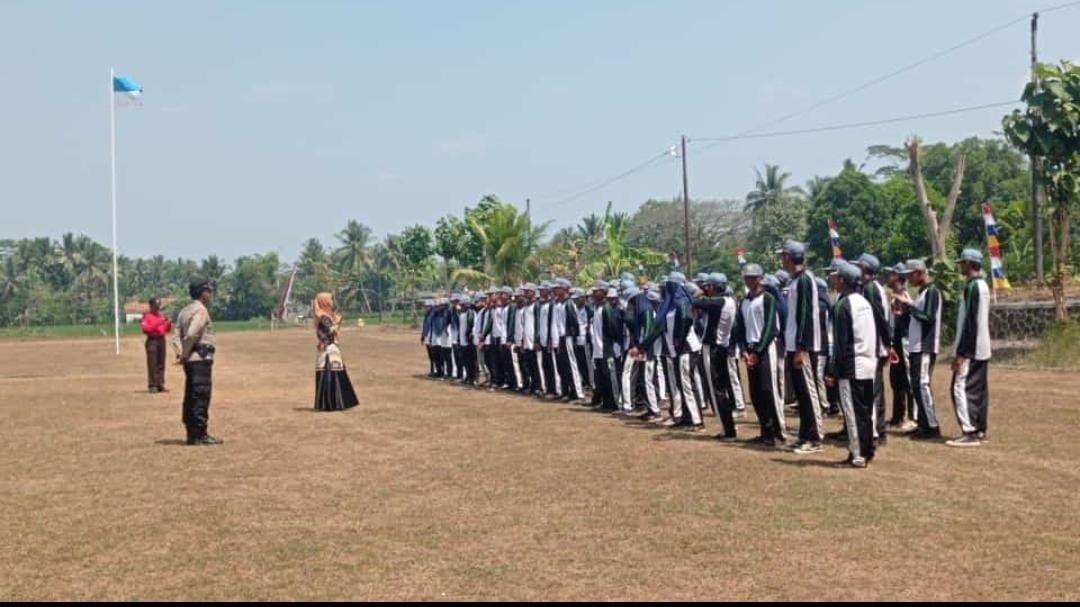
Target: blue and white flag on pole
126	91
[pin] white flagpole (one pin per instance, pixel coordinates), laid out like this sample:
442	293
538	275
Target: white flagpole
112	156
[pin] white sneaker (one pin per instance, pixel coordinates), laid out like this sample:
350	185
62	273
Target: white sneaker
908	426
806	448
667	423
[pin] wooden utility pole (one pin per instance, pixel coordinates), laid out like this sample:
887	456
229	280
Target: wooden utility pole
1036	216
686	209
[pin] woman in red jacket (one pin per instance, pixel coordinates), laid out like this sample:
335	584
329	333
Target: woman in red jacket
156	326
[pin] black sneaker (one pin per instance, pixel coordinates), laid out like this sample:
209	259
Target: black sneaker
206	440
926	434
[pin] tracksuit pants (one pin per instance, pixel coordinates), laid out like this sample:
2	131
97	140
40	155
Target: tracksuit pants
718	385
607	383
684	403
581	354
806	395
879	397
552	382
971	395
900	382
857	403
569	373
431	360
763	394
533	360
922	371
736	379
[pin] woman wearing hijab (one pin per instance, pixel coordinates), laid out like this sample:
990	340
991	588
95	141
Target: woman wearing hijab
333	390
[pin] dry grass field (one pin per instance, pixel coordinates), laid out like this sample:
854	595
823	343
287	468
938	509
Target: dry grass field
432	491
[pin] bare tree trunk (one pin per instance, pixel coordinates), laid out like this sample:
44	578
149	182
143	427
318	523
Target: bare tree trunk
939	230
924	200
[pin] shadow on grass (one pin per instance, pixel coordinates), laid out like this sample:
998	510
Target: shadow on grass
812	463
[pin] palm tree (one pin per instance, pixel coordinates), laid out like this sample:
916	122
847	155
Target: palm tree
212	269
591	228
353	257
771	188
620	256
816	185
508	239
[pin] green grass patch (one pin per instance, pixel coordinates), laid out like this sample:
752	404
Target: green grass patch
1060	347
220	326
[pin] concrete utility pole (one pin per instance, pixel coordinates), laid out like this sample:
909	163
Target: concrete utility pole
1036	217
686	209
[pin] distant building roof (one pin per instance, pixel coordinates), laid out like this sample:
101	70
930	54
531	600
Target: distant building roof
142	307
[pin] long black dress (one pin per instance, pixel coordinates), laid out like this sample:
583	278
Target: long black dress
333	389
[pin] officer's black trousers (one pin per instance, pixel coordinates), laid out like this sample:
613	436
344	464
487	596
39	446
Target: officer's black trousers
196	416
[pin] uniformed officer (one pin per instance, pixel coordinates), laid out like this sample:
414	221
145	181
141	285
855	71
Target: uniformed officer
194	346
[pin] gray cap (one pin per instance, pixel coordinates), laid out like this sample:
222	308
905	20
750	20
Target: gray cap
652	286
869	263
479	296
663	279
678	277
972	255
899	268
545	286
821	284
717	279
562	283
627	276
528	287
794	248
834	265
782	277
599	285
577	292
849	273
701	277
612	293
914	265
631	292
753	270
771	280
653	296
693	288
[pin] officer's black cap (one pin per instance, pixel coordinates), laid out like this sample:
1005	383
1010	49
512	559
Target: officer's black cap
196	288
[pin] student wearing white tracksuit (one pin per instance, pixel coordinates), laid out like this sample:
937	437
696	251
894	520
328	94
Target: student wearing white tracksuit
971	397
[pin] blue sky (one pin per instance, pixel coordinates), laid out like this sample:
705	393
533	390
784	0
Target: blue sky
266	123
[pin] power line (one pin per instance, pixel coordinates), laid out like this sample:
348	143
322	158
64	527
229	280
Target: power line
854	125
602	184
750	133
902	70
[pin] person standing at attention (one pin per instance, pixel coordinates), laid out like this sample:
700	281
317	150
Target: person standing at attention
333	390
194	346
155	326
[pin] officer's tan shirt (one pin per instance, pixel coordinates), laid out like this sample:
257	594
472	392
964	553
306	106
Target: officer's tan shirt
193	327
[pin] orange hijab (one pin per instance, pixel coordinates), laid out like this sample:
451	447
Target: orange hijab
323	306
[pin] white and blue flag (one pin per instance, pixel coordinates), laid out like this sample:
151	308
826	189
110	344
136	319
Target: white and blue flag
126	91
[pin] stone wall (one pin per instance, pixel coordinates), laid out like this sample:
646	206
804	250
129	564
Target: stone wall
1025	320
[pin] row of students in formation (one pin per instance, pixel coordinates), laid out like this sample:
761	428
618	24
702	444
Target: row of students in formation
626	346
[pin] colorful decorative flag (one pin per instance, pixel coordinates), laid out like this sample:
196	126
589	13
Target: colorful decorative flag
834	237
283	304
740	253
997	270
126	91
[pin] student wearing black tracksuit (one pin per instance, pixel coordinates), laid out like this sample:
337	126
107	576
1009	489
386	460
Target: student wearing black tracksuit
899	369
924	342
721	311
875	295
